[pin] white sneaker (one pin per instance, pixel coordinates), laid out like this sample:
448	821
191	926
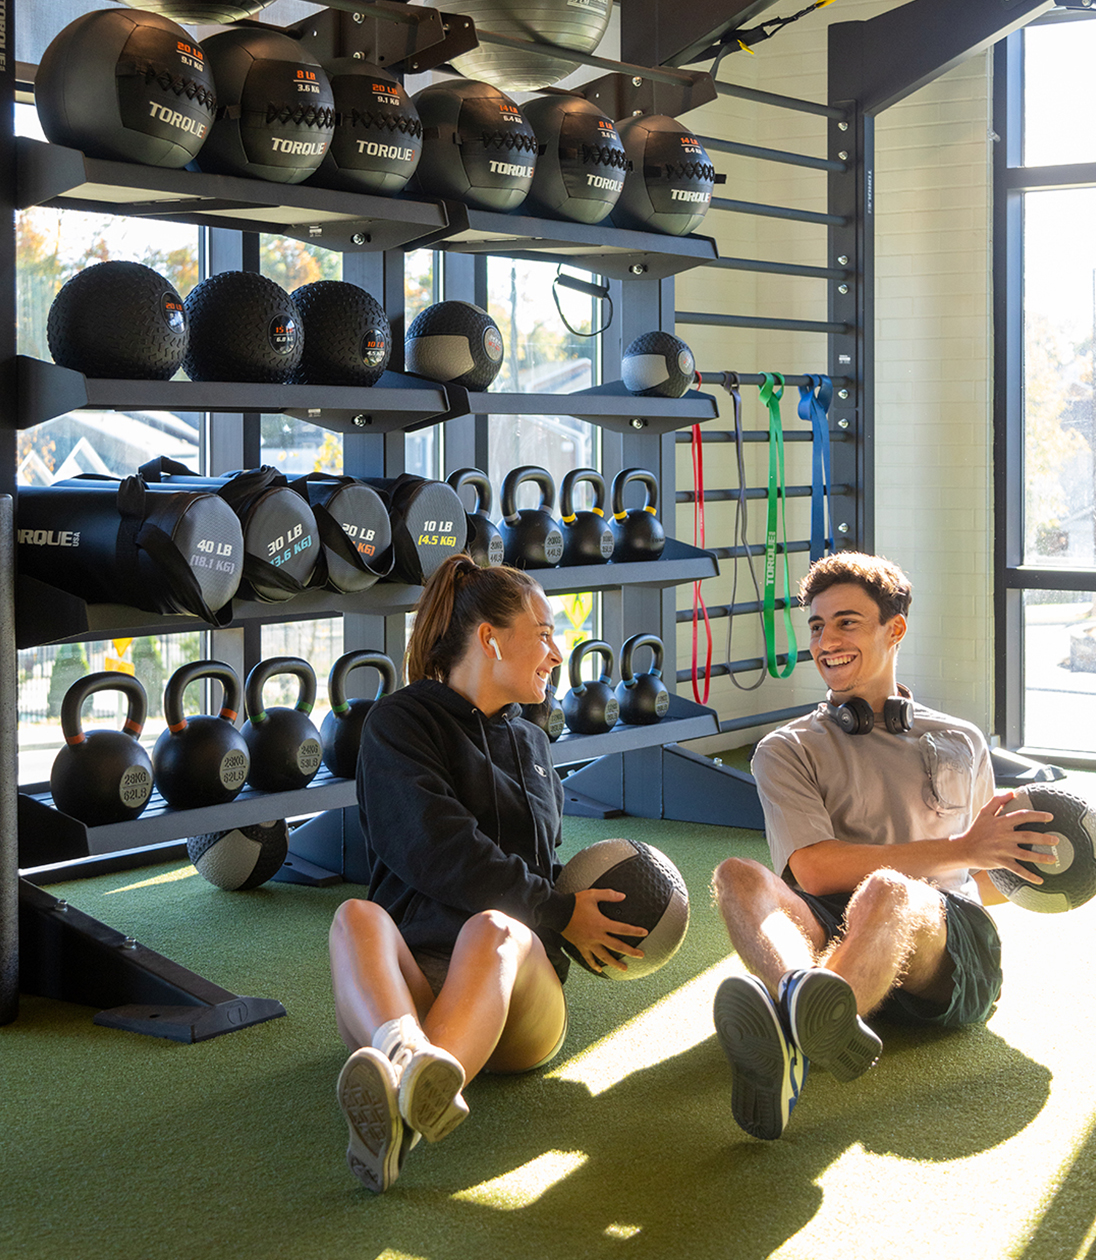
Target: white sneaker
367	1093
430	1081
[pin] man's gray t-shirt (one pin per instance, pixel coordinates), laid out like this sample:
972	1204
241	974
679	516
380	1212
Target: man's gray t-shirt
818	783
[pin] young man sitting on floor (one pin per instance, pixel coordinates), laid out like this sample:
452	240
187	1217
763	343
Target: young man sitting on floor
879	814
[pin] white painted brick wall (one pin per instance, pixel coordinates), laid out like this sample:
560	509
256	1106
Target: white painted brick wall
933	370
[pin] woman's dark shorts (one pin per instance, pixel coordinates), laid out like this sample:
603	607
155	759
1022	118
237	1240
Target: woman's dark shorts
973	946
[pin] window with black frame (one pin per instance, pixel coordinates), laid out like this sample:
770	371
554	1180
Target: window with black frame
1045	273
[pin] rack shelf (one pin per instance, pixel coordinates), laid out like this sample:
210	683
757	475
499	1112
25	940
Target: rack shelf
609	406
45	614
397	401
50	175
47	836
620	253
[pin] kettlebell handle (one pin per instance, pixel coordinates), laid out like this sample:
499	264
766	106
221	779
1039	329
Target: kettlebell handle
517	477
479	482
645	478
265	670
106	680
358	659
185	675
566	492
589	647
631	646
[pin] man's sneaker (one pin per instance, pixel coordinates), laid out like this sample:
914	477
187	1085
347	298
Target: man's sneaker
367	1093
430	1081
769	1071
819	1008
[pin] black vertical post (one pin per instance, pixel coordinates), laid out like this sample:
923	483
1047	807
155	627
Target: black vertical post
9	708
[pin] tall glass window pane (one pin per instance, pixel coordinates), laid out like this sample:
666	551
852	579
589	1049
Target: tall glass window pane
544	356
423	450
1059	670
1059	378
1059	125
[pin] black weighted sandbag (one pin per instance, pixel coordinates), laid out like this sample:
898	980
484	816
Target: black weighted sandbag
355	532
428	524
112	542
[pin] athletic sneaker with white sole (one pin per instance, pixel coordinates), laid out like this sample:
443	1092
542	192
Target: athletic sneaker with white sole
769	1070
819	1007
367	1093
430	1081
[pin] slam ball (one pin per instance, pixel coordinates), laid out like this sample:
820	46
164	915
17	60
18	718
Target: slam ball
574	24
477	145
126	86
378	134
658	364
454	342
347	337
275	110
243	327
668	186
118	320
655	897
1071	880
580	167
242	858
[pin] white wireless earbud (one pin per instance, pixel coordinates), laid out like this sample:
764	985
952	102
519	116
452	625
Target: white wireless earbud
498	654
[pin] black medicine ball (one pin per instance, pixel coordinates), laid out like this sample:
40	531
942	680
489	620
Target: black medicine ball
576	24
454	342
378	134
241	858
477	146
126	86
275	111
118	320
658	364
243	327
581	160
199	11
668	187
347	337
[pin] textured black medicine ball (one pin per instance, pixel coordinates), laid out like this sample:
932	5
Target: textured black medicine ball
655	897
658	364
1070	880
126	86
197	12
378	134
243	327
347	337
275	110
456	343
118	320
242	858
668	187
477	146
581	161
576	24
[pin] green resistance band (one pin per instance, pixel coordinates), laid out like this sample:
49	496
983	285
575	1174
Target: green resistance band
771	393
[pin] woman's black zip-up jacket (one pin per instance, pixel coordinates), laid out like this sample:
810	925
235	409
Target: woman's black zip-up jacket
461	813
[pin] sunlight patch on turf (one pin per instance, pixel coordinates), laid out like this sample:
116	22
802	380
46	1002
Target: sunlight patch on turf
622	1231
525	1185
168	877
672	1026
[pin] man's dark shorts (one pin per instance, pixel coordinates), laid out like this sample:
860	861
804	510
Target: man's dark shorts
975	951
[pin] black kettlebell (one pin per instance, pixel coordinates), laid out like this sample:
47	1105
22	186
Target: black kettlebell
102	777
587	536
284	743
531	536
341	731
643	697
484	543
591	708
637	531
548	715
201	760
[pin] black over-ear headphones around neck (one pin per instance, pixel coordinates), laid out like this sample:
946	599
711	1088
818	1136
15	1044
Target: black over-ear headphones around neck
855	716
